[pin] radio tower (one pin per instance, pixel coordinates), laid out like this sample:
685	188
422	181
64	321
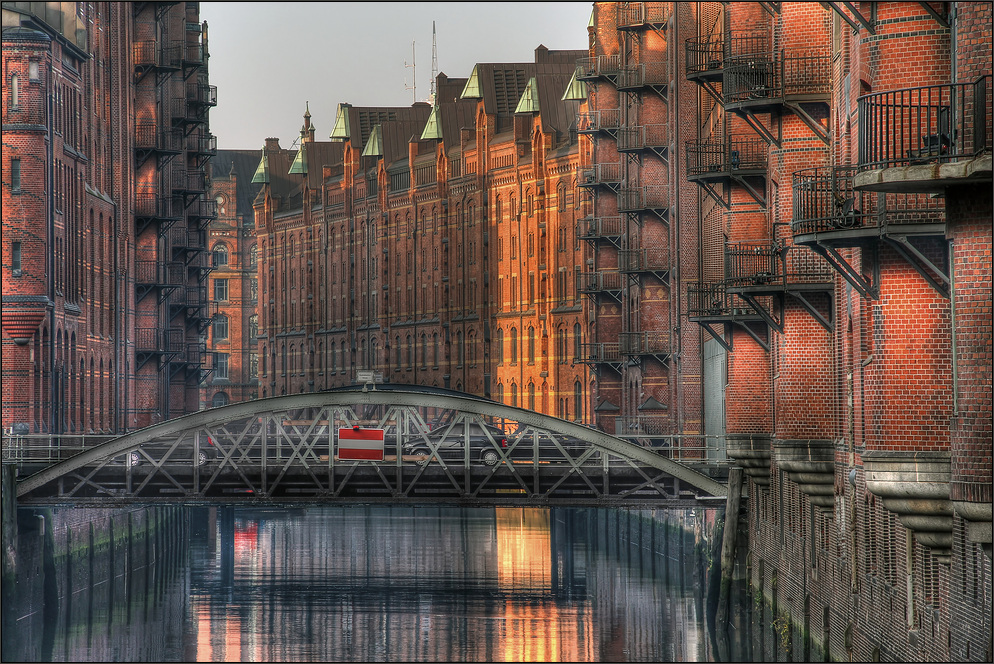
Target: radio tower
434	62
414	72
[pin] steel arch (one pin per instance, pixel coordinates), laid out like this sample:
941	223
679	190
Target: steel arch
267	448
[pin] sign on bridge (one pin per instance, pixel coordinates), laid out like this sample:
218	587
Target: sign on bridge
358	444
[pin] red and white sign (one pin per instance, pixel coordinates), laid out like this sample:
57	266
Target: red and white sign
357	444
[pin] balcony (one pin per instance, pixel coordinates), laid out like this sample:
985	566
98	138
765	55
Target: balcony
649	198
925	139
152	276
194	57
187	115
151	208
635	261
164	143
600	228
710	303
151	57
640	138
202	212
186	243
607	175
647	343
203	147
762	81
594	283
643	15
606	120
831	214
707	56
204	95
601	353
650	75
754	270
190	184
155	343
726	160
601	66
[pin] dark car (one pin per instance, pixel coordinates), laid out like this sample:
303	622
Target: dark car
182	453
484	439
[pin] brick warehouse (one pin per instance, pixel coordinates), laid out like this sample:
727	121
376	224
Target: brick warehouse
835	187
105	141
435	244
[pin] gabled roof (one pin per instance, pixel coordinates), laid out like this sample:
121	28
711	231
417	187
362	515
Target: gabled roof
241	164
357	122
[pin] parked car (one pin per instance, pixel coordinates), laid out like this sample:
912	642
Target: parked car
451	442
181	454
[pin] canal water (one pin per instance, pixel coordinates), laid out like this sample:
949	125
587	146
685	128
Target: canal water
363	583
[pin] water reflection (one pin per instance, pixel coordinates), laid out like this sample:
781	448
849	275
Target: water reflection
381	583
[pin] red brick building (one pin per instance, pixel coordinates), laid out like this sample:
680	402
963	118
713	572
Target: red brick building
105	141
433	244
834	169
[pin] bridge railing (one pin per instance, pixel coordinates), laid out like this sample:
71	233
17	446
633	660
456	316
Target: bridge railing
48	448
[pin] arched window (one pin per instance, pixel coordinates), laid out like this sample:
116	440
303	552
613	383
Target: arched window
578	400
460	349
434	341
220	327
499	343
424	350
397	349
514	345
499	394
219	256
514	394
410	351
531	395
15	91
220	399
577	341
531	345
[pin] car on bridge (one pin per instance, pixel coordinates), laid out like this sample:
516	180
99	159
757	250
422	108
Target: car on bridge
182	454
449	442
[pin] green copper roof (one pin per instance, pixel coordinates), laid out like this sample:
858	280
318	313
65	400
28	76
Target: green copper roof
472	88
529	98
262	170
342	130
433	128
374	146
576	90
590	23
299	164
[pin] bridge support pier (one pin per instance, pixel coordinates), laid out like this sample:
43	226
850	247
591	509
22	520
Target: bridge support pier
728	542
8	514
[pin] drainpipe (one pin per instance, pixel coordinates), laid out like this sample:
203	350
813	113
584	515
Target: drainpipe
49	154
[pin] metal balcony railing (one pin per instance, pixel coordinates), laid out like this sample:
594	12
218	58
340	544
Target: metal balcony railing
203	209
151	55
640	260
599	353
936	123
645	343
158	340
643	137
187	239
705	54
649	197
642	425
588	69
719	155
152	205
600	174
599	282
204	95
824	201
634	15
710	299
594	228
189	182
775	76
152	137
605	119
204	144
643	74
155	273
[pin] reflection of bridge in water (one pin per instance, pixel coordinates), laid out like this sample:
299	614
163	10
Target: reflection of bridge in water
439	446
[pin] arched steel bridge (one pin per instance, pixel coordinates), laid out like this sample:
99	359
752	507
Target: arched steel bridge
439	446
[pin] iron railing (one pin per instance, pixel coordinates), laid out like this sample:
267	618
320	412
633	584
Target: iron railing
824	200
149	54
936	123
643	14
643	136
773	264
605	119
158	340
151	136
726	155
645	343
597	282
588	69
649	197
600	174
709	54
640	260
775	75
160	274
594	353
151	204
642	74
710	298
593	228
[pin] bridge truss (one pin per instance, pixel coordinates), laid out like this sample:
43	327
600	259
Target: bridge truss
438	447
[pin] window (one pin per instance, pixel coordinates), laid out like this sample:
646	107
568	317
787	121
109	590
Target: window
221	366
578	400
221	290
15	259
500	346
531	345
577	339
254	256
254	289
514	394
33	70
220	255
220	328
253	327
531	396
253	366
15	91
15	176
220	399
514	345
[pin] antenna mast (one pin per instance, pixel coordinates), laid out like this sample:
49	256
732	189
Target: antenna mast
434	62
414	72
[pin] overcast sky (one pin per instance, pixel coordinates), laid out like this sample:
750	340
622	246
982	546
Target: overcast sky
268	59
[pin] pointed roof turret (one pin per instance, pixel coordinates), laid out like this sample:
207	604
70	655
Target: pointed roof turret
261	175
342	129
433	128
528	103
374	146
